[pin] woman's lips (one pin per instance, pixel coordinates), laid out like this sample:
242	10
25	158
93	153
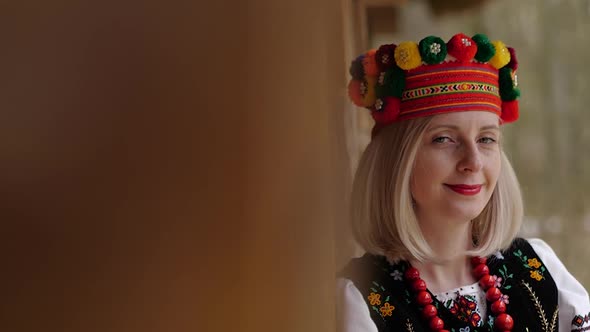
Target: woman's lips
465	189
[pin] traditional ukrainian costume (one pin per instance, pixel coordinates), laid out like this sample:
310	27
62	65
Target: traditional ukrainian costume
536	288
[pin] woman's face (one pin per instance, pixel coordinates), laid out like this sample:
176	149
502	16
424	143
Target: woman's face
457	166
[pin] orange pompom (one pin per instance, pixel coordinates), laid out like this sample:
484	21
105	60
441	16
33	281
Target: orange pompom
509	111
354	92
370	64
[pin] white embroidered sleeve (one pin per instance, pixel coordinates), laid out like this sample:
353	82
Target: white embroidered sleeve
352	313
573	301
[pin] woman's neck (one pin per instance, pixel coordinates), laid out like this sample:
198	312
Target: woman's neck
448	241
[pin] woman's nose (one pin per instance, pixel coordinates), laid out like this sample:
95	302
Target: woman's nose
470	159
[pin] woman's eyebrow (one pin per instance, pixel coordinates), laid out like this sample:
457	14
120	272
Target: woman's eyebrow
454	127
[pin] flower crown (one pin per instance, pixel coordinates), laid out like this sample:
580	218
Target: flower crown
410	80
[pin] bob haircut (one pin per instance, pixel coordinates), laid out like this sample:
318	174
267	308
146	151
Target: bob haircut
382	213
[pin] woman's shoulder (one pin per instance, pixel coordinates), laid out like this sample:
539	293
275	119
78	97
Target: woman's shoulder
573	300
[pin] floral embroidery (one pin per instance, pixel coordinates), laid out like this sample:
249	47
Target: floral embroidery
537	269
580	320
386	309
397	275
536	275
502	281
499	255
491	322
497	281
546	326
465	308
505	298
374	299
533	262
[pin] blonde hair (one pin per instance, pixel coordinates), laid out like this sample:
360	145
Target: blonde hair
382	213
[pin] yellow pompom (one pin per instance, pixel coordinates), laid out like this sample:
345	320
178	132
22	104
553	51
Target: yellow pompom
502	56
368	91
407	55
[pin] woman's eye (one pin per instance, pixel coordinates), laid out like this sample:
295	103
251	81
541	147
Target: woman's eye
487	140
441	139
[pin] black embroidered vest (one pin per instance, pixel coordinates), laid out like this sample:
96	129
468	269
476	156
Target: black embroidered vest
531	291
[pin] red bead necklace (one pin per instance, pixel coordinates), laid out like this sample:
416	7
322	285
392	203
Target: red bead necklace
503	321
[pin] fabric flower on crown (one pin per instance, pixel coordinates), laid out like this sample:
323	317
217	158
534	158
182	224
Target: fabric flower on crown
485	49
356	68
433	50
502	56
369	64
386	110
362	92
462	47
385	57
407	55
354	92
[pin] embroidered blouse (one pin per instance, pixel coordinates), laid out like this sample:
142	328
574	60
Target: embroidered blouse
468	303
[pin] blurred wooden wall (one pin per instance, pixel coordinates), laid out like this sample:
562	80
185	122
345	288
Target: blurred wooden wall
171	167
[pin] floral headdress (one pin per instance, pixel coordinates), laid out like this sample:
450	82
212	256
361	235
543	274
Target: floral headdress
410	80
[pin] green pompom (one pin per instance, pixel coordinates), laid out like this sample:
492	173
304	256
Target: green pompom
505	78
510	94
433	50
391	83
485	49
508	90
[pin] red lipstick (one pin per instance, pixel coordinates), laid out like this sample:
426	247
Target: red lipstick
465	189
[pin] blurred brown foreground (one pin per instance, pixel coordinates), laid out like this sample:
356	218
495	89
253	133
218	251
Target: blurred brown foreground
170	167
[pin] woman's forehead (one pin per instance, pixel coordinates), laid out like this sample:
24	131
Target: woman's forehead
477	119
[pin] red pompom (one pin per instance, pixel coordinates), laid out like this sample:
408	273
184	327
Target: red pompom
509	111
493	294
385	57
481	270
462	47
388	113
513	64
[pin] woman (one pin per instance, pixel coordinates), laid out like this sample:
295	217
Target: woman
436	203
